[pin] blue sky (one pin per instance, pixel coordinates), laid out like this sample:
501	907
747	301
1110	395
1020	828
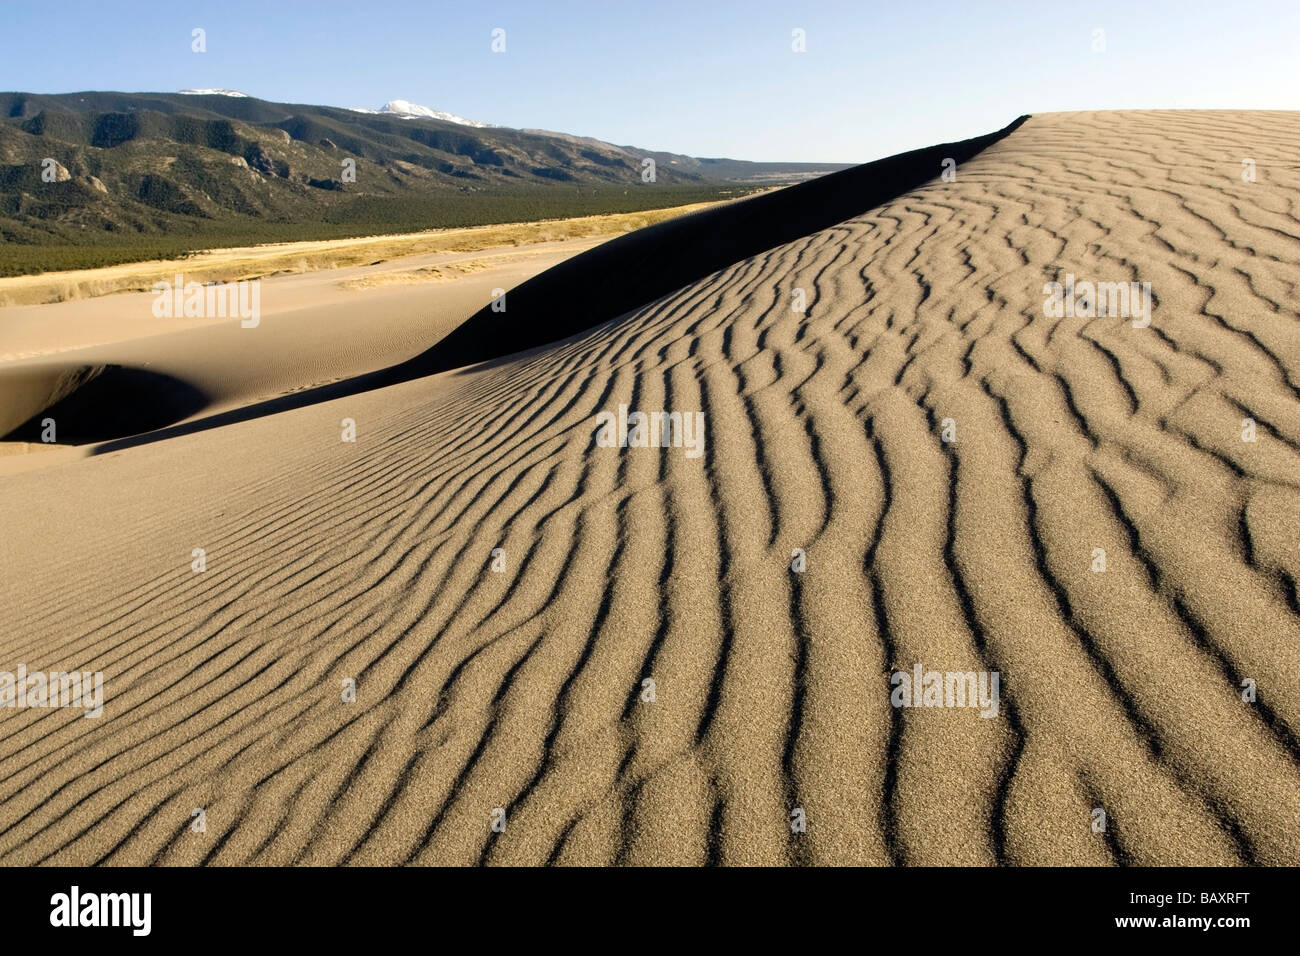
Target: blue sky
709	77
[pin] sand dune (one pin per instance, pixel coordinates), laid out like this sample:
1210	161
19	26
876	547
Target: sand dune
522	689
314	329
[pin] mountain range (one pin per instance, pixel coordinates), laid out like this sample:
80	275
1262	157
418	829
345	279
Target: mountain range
109	168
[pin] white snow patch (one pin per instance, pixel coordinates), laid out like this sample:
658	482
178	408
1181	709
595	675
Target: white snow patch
405	109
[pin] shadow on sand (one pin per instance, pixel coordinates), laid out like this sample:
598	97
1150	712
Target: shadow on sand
114	403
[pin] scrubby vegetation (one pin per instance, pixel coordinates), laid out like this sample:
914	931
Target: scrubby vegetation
363	217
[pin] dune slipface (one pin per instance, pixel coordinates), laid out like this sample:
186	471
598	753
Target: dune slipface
924	467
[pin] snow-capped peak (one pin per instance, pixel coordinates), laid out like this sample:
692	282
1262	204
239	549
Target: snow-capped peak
214	93
405	109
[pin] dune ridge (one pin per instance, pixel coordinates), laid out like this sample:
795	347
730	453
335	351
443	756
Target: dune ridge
522	689
625	272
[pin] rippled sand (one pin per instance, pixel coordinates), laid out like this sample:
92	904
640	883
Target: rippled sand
522	689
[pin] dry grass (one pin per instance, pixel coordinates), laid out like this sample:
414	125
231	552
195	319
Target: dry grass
439	273
250	262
